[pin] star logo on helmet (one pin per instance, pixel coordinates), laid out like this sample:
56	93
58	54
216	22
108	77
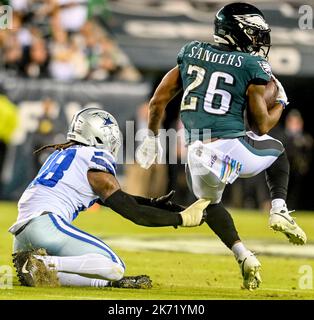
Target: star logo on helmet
107	121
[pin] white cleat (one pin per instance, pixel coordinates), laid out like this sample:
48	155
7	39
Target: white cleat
250	267
280	220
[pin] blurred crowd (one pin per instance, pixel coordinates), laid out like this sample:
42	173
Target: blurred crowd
55	38
8	123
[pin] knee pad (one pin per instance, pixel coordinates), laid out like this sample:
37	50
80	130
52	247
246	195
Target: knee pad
208	187
205	187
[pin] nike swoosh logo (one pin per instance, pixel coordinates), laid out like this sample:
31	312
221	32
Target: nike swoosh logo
24	267
291	221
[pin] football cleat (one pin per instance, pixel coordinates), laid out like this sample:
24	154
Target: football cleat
135	282
32	272
250	267
280	220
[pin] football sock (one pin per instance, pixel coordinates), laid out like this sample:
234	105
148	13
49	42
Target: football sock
221	222
238	248
71	279
278	203
91	265
277	177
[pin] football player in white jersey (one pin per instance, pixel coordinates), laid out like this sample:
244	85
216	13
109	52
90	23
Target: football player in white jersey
48	249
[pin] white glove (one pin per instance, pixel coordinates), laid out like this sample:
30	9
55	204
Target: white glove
148	151
281	96
194	215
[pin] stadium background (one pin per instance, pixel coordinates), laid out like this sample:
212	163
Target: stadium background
139	44
63	55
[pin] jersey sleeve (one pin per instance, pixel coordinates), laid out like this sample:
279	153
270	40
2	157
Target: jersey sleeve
180	55
99	160
259	70
103	161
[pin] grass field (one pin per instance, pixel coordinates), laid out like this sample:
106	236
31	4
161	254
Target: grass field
175	275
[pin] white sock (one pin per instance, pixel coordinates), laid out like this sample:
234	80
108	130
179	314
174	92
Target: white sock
277	203
238	248
74	280
90	265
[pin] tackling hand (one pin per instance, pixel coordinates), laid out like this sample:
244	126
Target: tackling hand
164	202
148	151
195	214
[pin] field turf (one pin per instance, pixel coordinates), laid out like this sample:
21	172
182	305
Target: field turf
175	275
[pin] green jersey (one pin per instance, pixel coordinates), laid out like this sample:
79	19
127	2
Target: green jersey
215	84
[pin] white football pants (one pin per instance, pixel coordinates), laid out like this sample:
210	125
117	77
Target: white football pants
208	171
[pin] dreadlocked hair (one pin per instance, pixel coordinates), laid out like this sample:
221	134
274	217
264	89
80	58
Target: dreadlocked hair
57	146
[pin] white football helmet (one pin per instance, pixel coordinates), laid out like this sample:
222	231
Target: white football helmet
95	127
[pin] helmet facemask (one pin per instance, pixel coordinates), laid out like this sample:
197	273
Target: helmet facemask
110	139
260	41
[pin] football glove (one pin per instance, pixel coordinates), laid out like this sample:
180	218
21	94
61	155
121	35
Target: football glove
164	202
195	214
150	150
281	96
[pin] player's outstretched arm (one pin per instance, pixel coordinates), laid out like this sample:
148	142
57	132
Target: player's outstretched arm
163	202
262	119
108	189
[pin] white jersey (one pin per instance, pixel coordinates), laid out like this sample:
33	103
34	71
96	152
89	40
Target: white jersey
61	186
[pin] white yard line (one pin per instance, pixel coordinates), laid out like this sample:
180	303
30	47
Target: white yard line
208	246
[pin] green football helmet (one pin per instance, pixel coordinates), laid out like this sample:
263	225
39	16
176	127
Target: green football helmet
242	27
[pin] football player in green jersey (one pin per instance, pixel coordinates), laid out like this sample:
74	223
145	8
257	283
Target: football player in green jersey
218	82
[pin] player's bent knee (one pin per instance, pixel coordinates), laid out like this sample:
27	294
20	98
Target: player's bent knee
112	270
117	272
211	194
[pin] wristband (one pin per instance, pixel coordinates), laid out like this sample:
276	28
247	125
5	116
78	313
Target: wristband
282	103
